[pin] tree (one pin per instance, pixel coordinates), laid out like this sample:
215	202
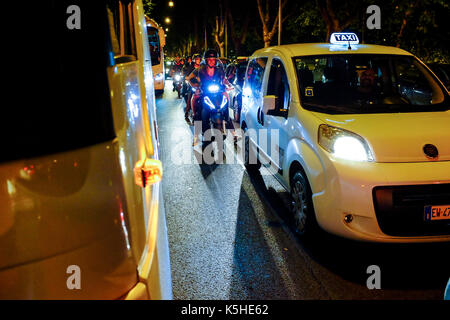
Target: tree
219	31
238	35
264	14
148	7
337	22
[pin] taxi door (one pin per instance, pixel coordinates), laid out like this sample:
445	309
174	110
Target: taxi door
252	97
276	121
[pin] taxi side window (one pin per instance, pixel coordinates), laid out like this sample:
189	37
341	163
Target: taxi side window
120	16
279	85
412	83
255	75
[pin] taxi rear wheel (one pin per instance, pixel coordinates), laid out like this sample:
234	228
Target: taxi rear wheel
302	209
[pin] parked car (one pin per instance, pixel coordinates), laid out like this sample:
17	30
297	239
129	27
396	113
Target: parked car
81	213
235	74
358	134
442	71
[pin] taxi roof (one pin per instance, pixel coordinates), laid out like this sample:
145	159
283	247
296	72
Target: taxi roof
306	49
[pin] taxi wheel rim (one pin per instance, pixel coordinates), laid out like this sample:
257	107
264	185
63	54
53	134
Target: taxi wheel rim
299	206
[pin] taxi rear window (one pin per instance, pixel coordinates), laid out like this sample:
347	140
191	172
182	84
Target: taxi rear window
59	92
367	83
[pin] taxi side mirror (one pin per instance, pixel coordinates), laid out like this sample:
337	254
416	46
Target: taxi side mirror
269	104
271	107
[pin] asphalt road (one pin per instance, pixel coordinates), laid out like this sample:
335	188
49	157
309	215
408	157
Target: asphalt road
230	236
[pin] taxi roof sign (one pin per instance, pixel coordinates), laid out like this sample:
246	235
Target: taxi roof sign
344	38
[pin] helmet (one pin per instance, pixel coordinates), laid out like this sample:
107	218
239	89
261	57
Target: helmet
210	53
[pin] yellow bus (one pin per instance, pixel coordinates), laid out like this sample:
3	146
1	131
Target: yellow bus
81	214
156	41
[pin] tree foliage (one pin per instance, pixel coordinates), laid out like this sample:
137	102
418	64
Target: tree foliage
417	26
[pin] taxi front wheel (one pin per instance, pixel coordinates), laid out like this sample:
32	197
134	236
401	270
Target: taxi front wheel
302	209
251	161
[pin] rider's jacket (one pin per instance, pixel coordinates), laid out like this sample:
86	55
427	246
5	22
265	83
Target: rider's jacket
177	67
201	72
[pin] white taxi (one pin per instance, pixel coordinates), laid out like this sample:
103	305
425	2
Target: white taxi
358	134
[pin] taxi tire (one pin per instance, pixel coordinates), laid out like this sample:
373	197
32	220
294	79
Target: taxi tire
250	167
302	208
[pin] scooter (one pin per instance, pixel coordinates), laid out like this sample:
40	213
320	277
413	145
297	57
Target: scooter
215	102
178	83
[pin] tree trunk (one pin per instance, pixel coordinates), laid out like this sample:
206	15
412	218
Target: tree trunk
220	30
264	14
331	21
408	12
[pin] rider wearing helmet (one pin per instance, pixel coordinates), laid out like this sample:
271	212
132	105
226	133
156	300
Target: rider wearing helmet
177	67
208	71
196	60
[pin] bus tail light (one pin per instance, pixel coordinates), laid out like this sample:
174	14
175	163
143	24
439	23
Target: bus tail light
148	172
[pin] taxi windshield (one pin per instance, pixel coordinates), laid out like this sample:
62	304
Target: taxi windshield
367	83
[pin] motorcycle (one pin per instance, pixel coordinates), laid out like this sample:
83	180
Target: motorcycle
215	101
178	80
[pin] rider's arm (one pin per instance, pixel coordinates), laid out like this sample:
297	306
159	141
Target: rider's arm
193	79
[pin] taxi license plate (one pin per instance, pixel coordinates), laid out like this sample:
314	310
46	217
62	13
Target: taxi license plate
437	213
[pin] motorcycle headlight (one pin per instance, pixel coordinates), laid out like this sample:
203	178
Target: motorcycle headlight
209	103
344	144
177	77
213	88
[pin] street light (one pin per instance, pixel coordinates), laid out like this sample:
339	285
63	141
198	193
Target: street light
171	4
167	20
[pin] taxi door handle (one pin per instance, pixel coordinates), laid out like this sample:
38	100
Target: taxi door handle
260	117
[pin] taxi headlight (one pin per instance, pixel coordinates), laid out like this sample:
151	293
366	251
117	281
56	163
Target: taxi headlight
159	77
344	144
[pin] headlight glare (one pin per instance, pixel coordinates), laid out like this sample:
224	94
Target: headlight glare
209	103
224	102
213	88
344	144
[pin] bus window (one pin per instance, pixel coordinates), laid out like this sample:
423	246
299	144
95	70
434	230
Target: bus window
120	16
154	43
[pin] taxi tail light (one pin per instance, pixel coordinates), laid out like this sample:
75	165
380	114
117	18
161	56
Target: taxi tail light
148	172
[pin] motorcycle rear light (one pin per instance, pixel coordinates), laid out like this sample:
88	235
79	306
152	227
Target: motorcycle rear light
147	172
